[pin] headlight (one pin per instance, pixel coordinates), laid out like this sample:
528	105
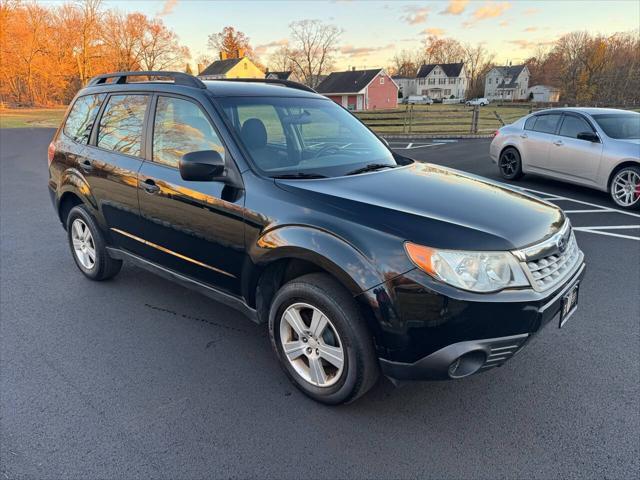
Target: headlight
474	271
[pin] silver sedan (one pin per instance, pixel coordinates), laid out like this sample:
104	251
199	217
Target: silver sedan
594	147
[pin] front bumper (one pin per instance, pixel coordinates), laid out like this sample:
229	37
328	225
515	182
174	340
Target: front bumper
426	332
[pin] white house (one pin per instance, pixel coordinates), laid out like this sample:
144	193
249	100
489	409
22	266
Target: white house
510	82
442	80
544	94
406	85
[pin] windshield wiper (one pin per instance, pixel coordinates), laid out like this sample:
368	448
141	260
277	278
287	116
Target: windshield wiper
370	168
299	175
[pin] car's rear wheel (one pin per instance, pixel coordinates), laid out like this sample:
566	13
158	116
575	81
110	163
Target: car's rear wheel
321	339
510	164
625	188
88	246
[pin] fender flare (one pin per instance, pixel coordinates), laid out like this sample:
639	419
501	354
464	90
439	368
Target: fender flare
73	182
328	251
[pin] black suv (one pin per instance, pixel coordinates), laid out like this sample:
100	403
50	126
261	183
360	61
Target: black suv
274	200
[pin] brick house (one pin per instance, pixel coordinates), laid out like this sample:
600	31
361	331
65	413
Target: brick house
361	89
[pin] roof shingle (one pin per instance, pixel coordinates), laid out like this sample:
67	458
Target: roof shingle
449	69
220	67
351	81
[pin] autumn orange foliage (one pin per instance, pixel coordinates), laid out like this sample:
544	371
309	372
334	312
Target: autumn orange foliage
48	52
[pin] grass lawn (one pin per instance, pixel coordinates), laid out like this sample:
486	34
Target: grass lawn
31	117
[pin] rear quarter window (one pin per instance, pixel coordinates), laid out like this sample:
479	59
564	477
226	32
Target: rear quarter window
81	117
531	121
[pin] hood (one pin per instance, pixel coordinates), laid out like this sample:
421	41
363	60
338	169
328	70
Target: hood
434	206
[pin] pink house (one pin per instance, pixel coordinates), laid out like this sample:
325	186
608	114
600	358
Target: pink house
361	89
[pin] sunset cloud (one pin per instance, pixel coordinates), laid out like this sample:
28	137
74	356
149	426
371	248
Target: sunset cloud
531	29
487	11
352	51
531	11
455	7
261	49
415	16
436	32
530	44
168	7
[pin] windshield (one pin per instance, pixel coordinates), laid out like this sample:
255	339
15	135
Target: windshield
288	136
624	126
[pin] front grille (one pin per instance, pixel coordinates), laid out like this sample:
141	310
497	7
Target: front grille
549	271
502	351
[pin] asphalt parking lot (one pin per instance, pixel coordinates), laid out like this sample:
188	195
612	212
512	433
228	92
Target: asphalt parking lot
138	377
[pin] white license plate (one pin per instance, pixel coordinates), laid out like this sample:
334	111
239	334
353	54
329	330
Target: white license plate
569	304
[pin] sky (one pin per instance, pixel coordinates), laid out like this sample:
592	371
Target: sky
374	30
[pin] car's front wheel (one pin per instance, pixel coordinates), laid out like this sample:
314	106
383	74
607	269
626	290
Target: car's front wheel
321	339
510	164
88	246
625	188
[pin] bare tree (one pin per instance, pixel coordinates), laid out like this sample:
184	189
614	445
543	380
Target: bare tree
160	49
441	50
477	61
405	64
230	42
280	60
312	48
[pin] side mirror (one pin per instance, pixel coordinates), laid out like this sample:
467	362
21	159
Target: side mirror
589	137
202	166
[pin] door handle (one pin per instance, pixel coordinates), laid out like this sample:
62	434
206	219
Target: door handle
86	165
558	143
150	186
524	135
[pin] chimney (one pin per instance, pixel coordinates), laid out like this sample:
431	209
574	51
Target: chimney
223	55
200	68
353	69
240	53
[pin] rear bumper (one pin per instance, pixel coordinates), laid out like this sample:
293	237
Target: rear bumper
465	336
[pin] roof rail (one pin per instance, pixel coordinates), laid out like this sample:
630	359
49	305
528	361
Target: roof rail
276	81
179	78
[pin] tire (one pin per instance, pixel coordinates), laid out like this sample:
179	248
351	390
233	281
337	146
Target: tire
625	188
345	330
510	164
88	246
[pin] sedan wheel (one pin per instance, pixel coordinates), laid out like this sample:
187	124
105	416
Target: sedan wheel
83	246
625	188
510	164
311	344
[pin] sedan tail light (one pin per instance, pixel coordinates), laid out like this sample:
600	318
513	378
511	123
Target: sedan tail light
51	151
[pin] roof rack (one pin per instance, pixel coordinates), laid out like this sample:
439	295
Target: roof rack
276	81
179	78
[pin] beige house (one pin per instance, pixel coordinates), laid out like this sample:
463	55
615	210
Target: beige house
510	82
240	67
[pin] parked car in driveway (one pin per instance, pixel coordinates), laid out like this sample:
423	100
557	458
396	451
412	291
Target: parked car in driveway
477	101
419	100
594	147
274	200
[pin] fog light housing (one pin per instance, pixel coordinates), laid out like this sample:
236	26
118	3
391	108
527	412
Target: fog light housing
467	364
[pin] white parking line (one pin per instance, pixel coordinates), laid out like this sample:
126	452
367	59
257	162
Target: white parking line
597	230
411	146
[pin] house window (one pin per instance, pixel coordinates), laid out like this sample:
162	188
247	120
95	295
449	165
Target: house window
447	91
442	81
432	81
452	81
381	80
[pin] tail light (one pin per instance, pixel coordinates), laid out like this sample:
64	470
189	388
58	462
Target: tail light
51	151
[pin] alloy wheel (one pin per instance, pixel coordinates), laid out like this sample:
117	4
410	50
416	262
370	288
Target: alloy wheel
508	163
625	188
312	345
83	246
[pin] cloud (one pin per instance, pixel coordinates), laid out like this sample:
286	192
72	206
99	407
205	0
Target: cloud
531	29
530	44
352	51
436	32
415	15
455	7
262	49
168	7
487	11
504	23
531	11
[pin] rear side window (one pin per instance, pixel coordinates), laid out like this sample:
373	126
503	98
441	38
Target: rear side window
121	124
572	126
81	117
547	123
181	127
531	121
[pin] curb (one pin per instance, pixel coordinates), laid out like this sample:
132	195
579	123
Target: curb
426	135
